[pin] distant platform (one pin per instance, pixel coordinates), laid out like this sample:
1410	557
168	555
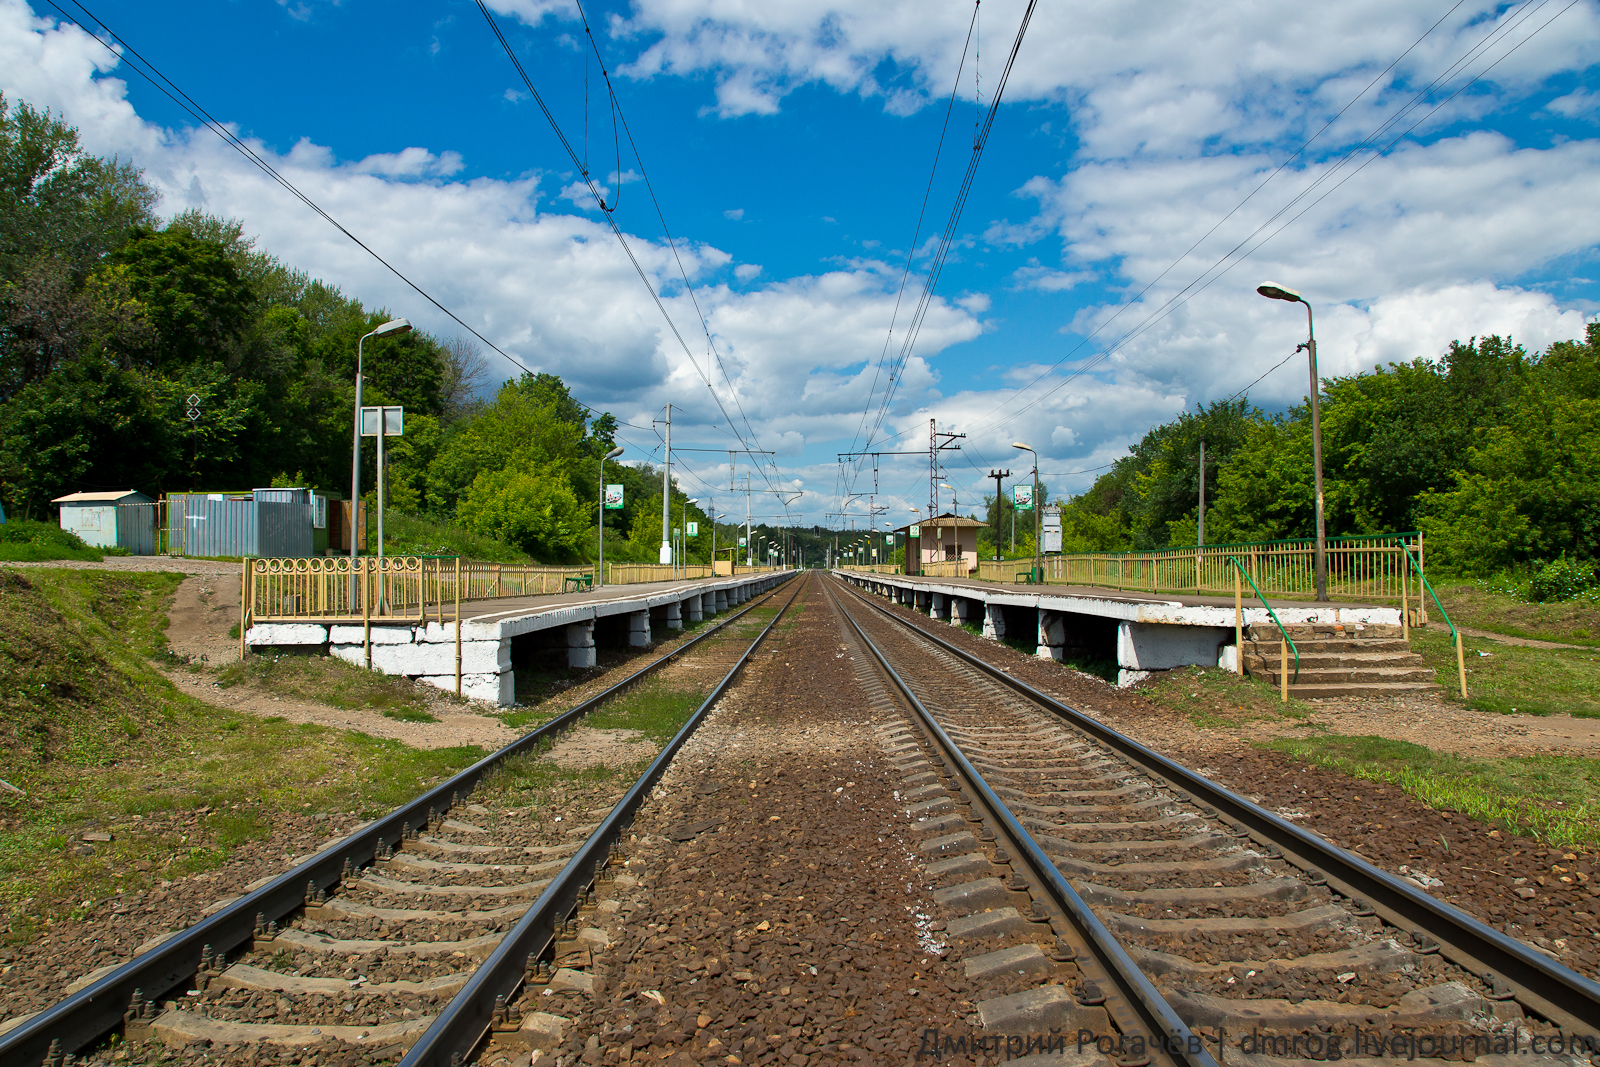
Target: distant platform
1141	632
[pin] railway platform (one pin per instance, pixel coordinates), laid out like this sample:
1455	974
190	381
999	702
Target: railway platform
1140	632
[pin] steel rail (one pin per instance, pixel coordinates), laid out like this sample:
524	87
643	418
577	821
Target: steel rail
462	1024
1159	1019
87	1015
1543	985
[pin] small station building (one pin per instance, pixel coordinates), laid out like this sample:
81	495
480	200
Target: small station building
943	538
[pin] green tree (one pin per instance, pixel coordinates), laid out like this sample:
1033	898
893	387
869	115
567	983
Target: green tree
531	509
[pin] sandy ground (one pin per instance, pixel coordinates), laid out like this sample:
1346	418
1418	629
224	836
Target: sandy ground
206	605
177	565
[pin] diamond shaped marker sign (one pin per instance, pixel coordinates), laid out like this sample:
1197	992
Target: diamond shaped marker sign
194	400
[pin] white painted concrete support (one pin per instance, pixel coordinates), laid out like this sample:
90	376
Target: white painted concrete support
961	611
721	601
674	615
580	644
639	629
1052	635
691	609
1145	646
939	606
924	602
994	622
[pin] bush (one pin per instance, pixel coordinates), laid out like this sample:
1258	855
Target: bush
1561	579
26	541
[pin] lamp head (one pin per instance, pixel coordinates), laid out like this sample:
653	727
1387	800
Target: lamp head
1274	291
1019	444
392	328
692	500
615	452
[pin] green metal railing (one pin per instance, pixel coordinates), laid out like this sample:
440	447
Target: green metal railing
1283	679
1461	655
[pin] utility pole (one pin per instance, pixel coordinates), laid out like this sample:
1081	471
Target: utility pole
666	494
1202	535
935	446
999	502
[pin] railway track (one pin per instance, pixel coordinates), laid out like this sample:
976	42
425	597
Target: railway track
1134	910
409	939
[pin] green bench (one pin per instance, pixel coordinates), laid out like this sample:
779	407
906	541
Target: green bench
578	583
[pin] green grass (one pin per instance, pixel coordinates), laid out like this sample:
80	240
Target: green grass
1514	678
330	681
99	740
421	535
1477	606
43	542
1551	797
654	709
1211	698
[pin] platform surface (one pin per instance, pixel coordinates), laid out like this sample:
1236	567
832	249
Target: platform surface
1148	607
511	606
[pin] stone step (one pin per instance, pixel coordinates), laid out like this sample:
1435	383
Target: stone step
1270	653
1362	689
1341	675
1330	645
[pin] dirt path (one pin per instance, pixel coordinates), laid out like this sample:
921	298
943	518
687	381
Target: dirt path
458	724
1525	642
206	606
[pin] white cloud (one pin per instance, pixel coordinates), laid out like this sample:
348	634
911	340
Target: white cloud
746	271
1047	280
1578	104
733	214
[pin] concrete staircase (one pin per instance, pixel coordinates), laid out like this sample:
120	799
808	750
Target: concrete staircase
1375	661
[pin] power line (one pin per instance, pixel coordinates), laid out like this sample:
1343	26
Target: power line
1201	282
170	89
947	238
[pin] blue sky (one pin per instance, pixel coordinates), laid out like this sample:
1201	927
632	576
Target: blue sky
789	143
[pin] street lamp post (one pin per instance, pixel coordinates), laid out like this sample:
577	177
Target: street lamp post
392	328
600	525
686	503
1038	532
1274	291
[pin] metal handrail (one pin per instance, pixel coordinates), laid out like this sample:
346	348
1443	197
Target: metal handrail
1461	663
1235	561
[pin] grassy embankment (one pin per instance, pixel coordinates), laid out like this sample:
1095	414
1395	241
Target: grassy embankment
42	542
97	740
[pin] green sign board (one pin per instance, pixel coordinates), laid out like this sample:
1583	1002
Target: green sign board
1022	496
694	529
613	497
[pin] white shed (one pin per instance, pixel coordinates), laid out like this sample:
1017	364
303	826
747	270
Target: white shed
107	520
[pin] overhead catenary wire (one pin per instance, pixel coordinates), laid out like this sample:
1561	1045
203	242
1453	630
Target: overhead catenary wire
620	115
947	237
1235	255
167	87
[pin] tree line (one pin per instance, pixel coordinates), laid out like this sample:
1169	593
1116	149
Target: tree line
1491	451
111	319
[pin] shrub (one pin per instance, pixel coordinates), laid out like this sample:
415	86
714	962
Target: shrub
1561	579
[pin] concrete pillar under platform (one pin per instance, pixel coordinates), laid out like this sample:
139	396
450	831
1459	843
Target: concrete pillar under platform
720	600
939	606
692	611
962	611
1156	647
924	601
1052	635
580	644
994	622
639	629
674	615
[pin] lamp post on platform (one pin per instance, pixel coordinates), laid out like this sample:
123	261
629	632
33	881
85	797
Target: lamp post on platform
600	526
1038	533
1274	291
392	328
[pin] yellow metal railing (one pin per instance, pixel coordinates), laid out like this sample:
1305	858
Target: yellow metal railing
871	568
1359	568
947	568
416	588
